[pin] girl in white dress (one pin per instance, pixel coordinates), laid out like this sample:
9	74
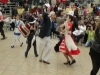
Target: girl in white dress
67	46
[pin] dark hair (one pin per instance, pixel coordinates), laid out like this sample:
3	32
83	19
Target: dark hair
59	13
71	17
75	24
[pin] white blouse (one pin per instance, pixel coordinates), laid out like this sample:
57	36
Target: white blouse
83	28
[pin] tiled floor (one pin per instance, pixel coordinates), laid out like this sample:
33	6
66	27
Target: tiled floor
13	62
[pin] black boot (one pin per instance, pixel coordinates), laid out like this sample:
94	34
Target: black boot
26	53
35	51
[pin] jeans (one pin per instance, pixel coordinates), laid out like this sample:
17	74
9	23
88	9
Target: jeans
89	43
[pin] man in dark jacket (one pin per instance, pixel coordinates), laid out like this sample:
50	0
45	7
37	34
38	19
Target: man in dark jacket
45	33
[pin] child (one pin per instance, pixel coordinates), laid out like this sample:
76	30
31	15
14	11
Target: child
17	33
90	32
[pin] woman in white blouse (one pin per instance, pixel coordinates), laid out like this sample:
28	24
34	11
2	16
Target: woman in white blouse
82	26
81	32
17	33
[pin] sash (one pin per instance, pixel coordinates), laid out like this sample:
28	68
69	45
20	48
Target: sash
16	24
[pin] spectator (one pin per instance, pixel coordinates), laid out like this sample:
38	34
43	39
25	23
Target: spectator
82	29
81	12
95	51
92	22
12	25
43	8
23	17
30	3
76	13
36	13
26	7
14	11
20	3
52	8
85	11
76	3
95	9
55	9
59	7
86	21
60	19
90	33
97	17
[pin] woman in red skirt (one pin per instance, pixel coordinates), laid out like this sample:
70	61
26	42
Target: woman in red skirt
67	46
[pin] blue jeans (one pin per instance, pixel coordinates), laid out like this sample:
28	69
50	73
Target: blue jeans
89	43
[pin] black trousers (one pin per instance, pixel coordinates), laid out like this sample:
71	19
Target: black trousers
77	38
56	48
85	38
95	57
12	26
1	29
29	39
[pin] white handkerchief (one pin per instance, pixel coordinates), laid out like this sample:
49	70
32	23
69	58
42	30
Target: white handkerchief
33	22
7	19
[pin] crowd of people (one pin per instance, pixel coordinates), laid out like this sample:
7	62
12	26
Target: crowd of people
69	27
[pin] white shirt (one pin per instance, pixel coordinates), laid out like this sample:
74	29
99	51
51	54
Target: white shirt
83	28
59	8
78	32
17	22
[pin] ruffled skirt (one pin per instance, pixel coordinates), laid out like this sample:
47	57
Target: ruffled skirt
68	46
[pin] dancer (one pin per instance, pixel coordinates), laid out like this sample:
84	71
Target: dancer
17	33
67	46
95	51
31	39
1	25
45	31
